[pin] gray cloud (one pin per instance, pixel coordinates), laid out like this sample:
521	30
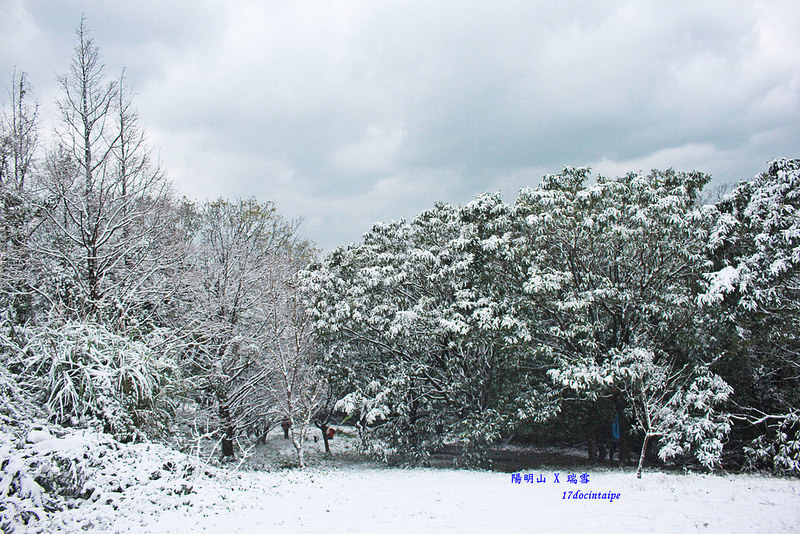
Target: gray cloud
349	112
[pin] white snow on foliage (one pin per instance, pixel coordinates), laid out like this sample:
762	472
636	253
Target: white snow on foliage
37	436
720	283
81	481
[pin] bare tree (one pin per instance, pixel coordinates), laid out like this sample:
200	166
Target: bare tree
19	135
106	203
19	139
236	247
298	390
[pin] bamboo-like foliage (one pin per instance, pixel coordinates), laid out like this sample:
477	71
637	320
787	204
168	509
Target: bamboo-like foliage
86	373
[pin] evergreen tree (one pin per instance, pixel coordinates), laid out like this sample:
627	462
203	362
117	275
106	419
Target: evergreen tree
754	316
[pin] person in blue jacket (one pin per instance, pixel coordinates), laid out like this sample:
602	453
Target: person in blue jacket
614	441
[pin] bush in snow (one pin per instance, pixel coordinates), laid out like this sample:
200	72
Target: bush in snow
35	479
780	451
693	422
54	479
87	374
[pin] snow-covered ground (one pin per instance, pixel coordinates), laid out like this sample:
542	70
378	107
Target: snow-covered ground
369	499
433	500
150	488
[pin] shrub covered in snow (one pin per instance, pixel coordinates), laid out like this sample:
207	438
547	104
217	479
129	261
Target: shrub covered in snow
85	374
54	479
780	451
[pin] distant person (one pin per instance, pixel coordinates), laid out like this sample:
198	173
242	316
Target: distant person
286	425
614	441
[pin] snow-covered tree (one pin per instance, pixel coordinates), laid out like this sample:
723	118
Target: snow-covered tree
294	385
502	319
108	234
424	320
612	269
680	406
19	139
19	135
87	250
239	248
752	299
417	360
377	309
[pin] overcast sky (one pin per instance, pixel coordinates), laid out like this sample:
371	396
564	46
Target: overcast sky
347	112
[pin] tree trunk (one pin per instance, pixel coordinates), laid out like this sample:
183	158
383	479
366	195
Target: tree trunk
227	425
263	438
641	456
298	445
591	434
362	434
323	427
624	439
326	442
411	427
